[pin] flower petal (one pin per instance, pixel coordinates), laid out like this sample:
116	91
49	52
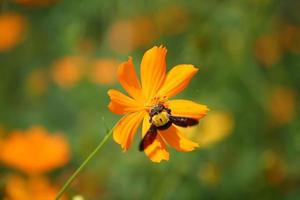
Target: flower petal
121	104
157	151
153	70
177	80
186	108
173	137
129	80
126	128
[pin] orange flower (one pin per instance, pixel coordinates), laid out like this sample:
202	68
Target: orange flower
104	71
33	3
210	174
172	20
12	27
148	96
267	50
33	188
216	127
282	104
2	131
35	151
126	35
289	37
67	71
275	168
37	82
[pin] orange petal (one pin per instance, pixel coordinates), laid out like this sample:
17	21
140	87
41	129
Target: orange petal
186	108
177	140
157	151
126	128
121	104
177	80
129	80
153	70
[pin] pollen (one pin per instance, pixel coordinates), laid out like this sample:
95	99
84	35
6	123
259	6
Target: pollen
160	119
157	100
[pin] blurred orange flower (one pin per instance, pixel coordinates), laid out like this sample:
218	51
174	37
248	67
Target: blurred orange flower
37	82
34	151
85	46
274	166
2	131
35	2
268	50
67	71
31	188
126	35
282	104
217	126
148	102
209	174
289	37
104	71
12	27
172	20
144	31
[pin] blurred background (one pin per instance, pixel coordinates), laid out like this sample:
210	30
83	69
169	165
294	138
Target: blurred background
58	58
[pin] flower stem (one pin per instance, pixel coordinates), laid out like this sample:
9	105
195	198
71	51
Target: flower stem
84	163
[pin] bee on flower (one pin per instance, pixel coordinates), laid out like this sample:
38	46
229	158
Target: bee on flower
149	102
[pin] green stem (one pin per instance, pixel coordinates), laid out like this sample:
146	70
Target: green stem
80	168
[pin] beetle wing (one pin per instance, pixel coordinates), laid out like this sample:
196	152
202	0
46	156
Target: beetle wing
183	121
148	138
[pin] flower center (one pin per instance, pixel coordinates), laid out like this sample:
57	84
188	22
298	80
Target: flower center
156	100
